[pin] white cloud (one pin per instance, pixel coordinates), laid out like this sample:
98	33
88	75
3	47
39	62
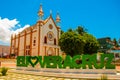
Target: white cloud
19	25
20	29
7	28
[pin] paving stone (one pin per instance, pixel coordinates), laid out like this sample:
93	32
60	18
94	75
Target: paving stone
60	79
74	79
67	79
31	79
18	79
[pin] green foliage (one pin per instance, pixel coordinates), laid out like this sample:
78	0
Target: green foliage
70	30
4	71
21	61
109	59
75	42
86	61
62	31
115	42
68	62
78	61
81	30
33	60
71	43
94	61
91	44
53	61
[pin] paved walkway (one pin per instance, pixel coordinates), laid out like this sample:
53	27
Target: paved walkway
67	76
20	76
14	76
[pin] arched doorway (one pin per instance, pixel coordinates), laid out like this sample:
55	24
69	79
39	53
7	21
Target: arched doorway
50	52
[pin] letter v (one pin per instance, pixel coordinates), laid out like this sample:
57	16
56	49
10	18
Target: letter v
42	63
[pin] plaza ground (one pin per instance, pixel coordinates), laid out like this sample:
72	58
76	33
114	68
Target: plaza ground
15	76
19	76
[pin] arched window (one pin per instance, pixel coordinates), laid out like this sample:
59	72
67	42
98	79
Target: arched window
27	50
50	52
34	42
54	41
45	39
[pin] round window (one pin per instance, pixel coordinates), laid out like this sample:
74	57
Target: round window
50	26
50	35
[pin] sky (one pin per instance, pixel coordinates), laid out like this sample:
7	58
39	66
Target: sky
101	18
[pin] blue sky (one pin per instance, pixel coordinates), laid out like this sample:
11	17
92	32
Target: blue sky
100	17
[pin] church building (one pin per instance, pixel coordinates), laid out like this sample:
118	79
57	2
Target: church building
40	39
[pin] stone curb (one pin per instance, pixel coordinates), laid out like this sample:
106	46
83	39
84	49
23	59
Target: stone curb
66	75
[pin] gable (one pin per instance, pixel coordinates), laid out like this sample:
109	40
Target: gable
49	27
50	20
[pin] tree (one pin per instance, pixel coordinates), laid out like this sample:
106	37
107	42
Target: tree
70	30
62	31
81	30
115	42
91	44
119	41
75	42
71	43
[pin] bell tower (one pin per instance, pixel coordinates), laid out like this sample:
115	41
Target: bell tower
40	13
58	19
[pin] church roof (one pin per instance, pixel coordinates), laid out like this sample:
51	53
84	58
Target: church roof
46	20
41	21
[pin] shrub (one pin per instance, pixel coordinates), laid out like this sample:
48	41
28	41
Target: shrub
4	71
